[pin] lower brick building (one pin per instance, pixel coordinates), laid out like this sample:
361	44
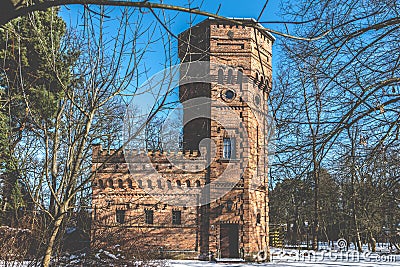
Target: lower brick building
191	212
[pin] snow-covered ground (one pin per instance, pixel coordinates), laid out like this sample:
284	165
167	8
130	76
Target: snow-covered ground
326	257
296	258
279	264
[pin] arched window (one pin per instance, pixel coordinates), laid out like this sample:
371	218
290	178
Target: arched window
267	85
101	184
258	219
140	183
230	76
110	183
187	183
159	184
220	76
197	183
261	84
129	182
149	184
178	183
239	79
256	80
120	184
169	184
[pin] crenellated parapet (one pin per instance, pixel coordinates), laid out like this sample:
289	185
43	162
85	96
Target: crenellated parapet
136	170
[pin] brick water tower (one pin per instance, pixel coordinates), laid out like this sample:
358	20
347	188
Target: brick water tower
240	68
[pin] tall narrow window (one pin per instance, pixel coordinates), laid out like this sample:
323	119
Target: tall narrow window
149	184
120	183
220	76
176	217
120	216
228	151
110	183
239	79
230	76
149	216
140	183
101	184
261	84
129	182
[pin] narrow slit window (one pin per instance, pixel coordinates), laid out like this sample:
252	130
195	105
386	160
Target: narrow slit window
230	76
120	184
239	79
176	217
149	216
120	216
220	76
129	182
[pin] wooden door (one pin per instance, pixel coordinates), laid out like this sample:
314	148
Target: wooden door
229	240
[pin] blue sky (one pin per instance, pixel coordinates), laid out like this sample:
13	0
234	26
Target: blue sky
228	8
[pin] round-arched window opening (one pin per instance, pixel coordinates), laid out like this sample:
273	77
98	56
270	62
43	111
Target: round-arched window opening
229	94
257	100
120	184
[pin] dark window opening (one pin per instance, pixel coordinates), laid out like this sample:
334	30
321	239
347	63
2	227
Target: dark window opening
229	205
110	183
220	76
129	182
149	216
239	79
120	184
178	183
159	183
120	216
261	84
267	85
169	184
140	184
230	77
258	218
257	100
197	183
187	183
176	217
149	184
101	184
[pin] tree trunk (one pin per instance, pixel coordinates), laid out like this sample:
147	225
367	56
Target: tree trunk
315	228
372	241
53	237
353	193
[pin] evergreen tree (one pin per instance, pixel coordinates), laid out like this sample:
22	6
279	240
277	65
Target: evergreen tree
34	74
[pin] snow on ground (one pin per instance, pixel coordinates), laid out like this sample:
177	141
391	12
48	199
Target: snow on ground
296	258
183	263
